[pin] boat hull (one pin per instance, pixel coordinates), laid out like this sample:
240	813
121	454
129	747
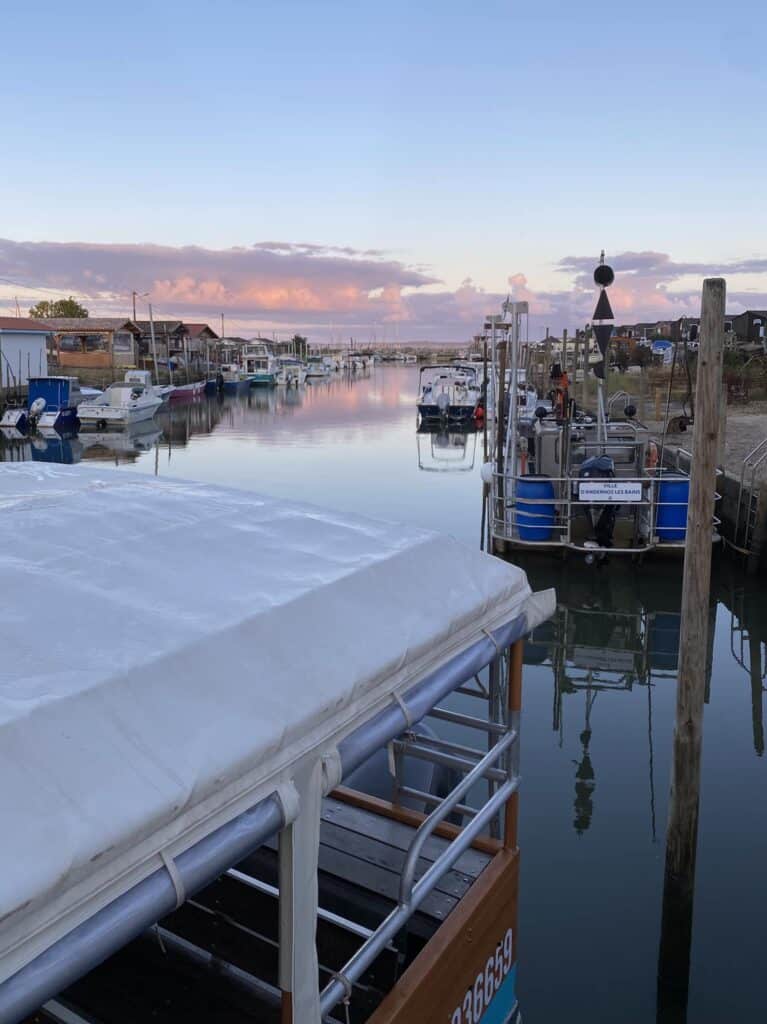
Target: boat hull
264	380
231	387
115	415
453	413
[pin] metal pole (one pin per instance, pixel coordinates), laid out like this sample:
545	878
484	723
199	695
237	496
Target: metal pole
154	347
514	714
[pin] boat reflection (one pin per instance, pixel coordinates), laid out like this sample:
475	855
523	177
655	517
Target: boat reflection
446	450
613	632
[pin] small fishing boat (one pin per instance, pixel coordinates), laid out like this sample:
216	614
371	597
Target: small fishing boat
144	378
232	378
52	403
260	365
570	479
187	392
449	393
122	403
317	366
290	371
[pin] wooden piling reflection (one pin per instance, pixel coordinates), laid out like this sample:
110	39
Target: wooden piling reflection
682	832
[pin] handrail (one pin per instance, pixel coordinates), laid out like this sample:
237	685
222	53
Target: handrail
353	970
426	828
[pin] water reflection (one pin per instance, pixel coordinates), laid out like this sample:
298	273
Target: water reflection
599	692
443	450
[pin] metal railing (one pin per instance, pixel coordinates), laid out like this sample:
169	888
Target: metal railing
508	507
498	767
752	461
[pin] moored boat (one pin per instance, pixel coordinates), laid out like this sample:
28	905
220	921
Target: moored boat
121	403
260	365
450	393
317	366
186	392
52	402
290	371
256	881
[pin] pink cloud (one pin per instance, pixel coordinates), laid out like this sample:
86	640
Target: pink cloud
308	286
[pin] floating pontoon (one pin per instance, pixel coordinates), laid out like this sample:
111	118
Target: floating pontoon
170	738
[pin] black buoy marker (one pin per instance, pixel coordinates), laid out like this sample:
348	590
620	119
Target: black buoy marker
603	319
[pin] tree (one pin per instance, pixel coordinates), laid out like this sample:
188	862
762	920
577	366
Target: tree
60	308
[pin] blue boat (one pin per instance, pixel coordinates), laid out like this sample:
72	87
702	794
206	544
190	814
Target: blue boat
52	402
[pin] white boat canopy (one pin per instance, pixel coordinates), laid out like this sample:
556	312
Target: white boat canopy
175	653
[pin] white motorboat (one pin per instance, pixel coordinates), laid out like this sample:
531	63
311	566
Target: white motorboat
121	403
290	371
144	378
317	366
449	392
259	364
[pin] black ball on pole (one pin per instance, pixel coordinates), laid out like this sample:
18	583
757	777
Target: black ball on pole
604	276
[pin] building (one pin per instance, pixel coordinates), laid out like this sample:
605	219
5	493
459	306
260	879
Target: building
94	342
23	350
175	338
750	330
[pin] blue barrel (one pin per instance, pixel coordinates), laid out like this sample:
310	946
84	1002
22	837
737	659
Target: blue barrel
671	520
663	641
535	520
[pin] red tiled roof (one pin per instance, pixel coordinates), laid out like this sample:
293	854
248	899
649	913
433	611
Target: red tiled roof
22	323
194	329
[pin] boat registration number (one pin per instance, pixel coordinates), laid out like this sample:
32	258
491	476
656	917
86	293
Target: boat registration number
487	982
615	492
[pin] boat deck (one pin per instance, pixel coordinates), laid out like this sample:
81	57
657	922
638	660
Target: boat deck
216	957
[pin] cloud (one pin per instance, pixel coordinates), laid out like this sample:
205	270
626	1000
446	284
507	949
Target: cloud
316	288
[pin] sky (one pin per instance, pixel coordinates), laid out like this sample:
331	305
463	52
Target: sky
388	170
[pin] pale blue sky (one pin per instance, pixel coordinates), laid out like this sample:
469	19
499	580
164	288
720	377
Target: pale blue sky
478	139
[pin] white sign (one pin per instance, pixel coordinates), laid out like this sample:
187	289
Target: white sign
610	492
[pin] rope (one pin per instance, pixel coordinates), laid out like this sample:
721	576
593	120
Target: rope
347	987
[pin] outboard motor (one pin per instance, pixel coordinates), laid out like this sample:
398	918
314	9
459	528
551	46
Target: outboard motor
602	517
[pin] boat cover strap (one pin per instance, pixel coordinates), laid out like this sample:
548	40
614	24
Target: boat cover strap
490	636
289	799
404	709
332	771
175	877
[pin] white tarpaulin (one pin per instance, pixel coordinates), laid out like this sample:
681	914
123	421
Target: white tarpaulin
170	651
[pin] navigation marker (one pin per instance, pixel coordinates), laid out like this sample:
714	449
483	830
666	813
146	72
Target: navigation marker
603	320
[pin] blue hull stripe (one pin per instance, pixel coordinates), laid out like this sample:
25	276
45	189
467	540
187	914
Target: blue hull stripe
504	1001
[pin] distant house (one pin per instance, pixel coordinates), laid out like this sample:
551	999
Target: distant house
175	338
198	336
94	342
750	329
23	350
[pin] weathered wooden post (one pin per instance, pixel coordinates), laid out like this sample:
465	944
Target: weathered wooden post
682	832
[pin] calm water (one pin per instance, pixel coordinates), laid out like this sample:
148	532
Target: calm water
599	696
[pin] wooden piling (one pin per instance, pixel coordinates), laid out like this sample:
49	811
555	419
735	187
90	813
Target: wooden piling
682	831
